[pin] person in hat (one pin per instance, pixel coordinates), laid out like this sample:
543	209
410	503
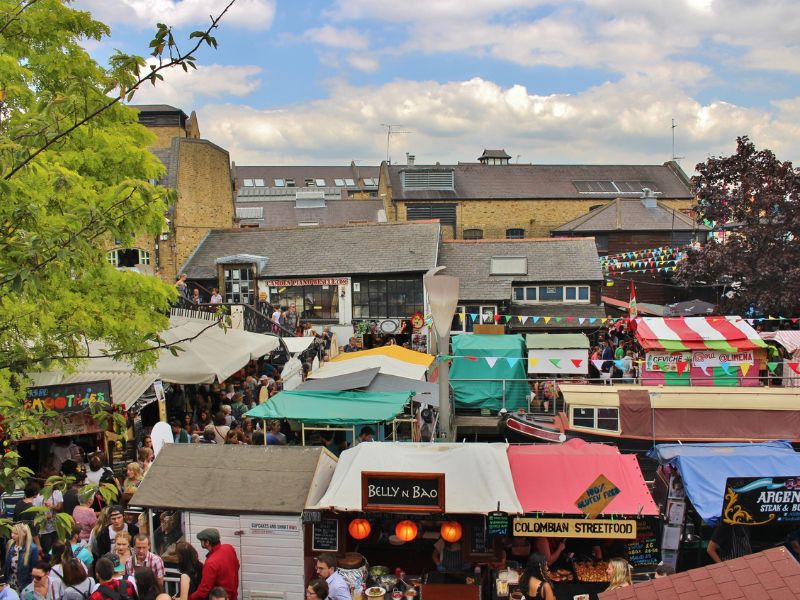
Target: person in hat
117	519
179	435
6	591
220	569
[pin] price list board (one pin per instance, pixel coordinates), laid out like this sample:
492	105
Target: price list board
643	551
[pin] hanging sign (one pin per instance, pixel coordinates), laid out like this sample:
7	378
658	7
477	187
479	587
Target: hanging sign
714	358
325	536
275	527
761	500
67	397
643	551
497	523
402	492
575	528
597	496
319	281
666	361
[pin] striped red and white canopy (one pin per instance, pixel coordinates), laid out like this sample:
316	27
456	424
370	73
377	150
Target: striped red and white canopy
726	334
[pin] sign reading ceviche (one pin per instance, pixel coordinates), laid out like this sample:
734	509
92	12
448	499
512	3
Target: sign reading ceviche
67	397
575	528
666	361
761	500
402	492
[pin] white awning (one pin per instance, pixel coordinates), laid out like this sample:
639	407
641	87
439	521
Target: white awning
296	345
126	388
387	366
477	477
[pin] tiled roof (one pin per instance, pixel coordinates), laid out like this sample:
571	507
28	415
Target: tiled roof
549	260
336	212
300	173
493	154
770	575
630	214
155	108
515	181
335	250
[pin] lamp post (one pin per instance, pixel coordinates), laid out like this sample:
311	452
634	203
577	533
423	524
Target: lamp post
442	298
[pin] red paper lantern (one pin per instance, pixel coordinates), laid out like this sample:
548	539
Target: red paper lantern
406	530
359	528
451	531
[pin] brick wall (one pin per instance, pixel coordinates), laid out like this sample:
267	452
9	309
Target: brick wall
164	135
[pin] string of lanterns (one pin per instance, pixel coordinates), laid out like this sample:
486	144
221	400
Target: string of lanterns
406	530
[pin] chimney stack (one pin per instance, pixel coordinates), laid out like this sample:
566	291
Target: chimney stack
649	198
410	158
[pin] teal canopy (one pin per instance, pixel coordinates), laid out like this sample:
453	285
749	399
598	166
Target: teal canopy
507	353
323	407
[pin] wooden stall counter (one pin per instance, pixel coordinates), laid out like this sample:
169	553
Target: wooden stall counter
450	591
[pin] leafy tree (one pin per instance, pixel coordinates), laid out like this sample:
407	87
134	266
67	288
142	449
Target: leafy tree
752	201
75	174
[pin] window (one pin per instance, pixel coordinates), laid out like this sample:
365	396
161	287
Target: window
308	224
515	234
309	202
338	182
349	182
596	418
290	183
508	265
249	212
549	293
312	301
582	417
320	182
579	293
608	419
571	294
384	298
601	241
370	181
280	183
473	234
128	257
311	183
238	285
530	294
466	317
613	187
247	183
258	182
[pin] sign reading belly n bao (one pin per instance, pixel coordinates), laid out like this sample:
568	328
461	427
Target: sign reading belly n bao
402	492
575	528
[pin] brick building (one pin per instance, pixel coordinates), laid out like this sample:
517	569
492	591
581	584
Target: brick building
200	172
495	199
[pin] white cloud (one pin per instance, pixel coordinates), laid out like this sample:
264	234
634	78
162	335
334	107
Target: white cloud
250	14
336	38
363	62
182	89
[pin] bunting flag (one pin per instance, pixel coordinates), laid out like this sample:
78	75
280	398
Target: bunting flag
681	366
535	319
491	361
461	317
577	362
772	366
511	361
532	362
598	364
525	318
794	366
547	319
508	318
473	316
745	367
556	362
581	320
726	368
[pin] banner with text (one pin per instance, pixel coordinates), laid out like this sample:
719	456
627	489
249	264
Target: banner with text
761	500
575	528
715	358
666	361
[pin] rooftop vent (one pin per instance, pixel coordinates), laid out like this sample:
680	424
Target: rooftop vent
410	159
649	198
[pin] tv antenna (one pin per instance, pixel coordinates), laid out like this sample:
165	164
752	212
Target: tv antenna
391	129
676	158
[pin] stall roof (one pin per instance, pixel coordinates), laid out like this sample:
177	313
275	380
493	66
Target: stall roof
386	364
325	407
569	469
726	334
371	380
397	352
297	344
126	388
236	479
705	468
477	476
788	338
557	341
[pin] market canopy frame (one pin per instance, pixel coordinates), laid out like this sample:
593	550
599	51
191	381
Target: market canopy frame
725	334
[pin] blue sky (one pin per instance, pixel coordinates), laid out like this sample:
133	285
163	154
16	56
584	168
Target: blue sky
583	81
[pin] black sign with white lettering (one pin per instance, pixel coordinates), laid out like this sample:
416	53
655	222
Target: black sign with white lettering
497	524
643	551
326	535
761	500
402	492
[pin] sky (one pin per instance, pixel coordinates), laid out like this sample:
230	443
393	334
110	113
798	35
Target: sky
301	82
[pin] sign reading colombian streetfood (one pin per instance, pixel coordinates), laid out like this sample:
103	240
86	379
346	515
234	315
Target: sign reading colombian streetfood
402	492
597	496
575	528
67	397
761	500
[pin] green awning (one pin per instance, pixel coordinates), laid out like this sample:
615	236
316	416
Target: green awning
323	407
556	341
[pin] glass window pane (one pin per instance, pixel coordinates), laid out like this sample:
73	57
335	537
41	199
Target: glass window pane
571	293
551	293
530	293
583	417
519	293
583	292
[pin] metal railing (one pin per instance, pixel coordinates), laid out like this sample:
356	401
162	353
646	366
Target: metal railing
252	319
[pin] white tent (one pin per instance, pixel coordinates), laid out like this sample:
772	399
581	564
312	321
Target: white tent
477	476
387	366
297	344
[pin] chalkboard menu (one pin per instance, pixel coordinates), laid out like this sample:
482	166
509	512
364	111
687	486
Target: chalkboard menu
478	543
497	524
326	535
402	492
643	551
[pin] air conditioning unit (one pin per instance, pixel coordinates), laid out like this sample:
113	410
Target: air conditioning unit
389	326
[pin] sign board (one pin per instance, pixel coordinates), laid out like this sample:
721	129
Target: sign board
66	425
325	535
643	551
575	528
317	281
497	523
666	361
277	527
761	500
312	516
597	496
560	361
714	358
402	492
478	539
67	397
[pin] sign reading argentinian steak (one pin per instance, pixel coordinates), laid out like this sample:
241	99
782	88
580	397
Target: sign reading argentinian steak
402	492
575	528
67	397
761	500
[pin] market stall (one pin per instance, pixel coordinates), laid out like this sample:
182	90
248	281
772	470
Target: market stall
397	501
393	351
697	485
707	351
386	364
787	371
557	354
591	497
254	496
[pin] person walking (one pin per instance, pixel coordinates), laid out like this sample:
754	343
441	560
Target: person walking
48	534
21	555
42	587
106	536
191	569
220	569
77	584
142	557
109	587
147	586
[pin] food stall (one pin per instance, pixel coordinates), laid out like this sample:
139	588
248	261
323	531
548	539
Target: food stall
594	499
400	505
707	351
254	496
697	485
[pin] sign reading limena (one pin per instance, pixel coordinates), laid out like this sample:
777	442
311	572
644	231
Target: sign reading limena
575	528
597	496
317	281
714	358
402	492
666	361
67	397
761	500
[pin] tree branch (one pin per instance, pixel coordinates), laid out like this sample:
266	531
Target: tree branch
23	6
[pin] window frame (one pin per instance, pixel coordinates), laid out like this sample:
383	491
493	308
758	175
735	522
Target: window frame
596	418
477	230
280	182
515	237
319	182
564	300
468	327
247	183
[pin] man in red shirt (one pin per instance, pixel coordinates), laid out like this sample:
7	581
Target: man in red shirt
110	588
220	569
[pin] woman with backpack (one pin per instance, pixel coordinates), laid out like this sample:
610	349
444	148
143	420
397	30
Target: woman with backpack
21	555
77	584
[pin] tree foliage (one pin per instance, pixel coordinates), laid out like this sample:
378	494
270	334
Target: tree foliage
752	202
75	175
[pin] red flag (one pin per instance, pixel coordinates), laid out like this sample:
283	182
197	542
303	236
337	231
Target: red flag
632	311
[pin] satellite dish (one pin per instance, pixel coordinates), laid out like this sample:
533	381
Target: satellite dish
161	434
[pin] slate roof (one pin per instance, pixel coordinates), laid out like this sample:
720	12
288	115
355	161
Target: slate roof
770	575
629	214
493	154
515	181
301	173
549	260
321	251
335	212
155	108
